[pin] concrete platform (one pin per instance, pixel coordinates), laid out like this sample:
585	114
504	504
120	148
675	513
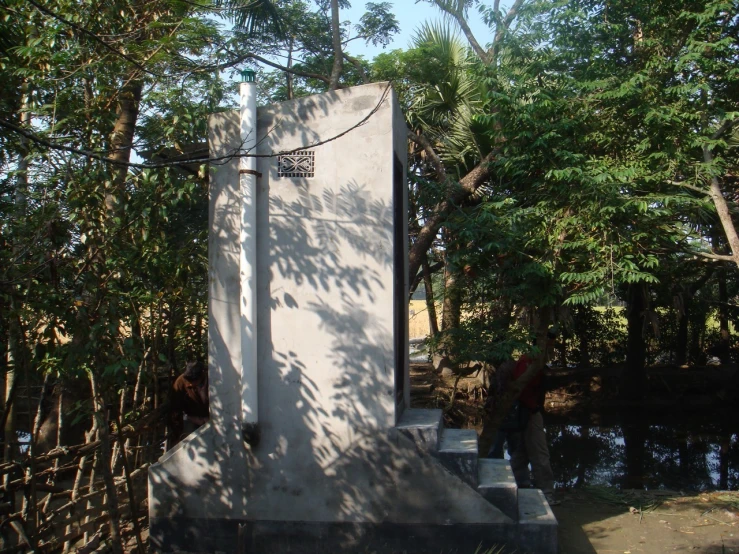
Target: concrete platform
498	486
283	537
382	495
537	526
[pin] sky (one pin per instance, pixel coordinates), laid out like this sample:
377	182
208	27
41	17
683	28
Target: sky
410	16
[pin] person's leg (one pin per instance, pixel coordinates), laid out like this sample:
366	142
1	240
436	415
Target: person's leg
519	459
496	451
535	440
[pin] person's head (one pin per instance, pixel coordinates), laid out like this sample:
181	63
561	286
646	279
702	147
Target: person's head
194	371
552	335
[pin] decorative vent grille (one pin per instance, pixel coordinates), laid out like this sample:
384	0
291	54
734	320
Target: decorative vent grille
297	164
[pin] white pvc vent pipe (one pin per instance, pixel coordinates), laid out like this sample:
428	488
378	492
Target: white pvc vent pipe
248	262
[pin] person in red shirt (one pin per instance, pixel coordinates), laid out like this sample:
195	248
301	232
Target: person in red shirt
190	407
533	449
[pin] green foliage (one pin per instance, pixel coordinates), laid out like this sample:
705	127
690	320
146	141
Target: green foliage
378	24
104	269
597	116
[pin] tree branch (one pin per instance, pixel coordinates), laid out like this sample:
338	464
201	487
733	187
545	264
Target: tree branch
338	58
93	36
719	257
458	193
251	56
722	209
424	143
502	27
725	127
356	63
687	186
458	16
418	278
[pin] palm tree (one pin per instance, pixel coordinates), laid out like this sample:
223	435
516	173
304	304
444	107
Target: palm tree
443	108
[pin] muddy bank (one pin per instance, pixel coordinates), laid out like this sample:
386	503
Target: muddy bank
594	395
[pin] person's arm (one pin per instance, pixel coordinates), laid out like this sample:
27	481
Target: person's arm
176	413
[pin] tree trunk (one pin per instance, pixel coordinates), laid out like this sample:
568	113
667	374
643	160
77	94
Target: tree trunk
199	336
635	440
121	141
288	75
681	347
724	346
636	354
722	209
8	416
723	472
94	435
172	334
89	437
458	193
451	310
689	347
583	313
31	516
451	314
336	41
129	487
59	430
430	303
115	458
15	359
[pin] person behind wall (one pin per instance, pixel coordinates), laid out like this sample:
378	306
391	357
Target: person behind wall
190	404
510	431
534	449
523	430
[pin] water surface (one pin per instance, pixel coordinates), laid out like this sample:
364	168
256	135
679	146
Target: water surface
639	455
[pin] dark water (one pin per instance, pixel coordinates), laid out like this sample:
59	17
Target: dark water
640	455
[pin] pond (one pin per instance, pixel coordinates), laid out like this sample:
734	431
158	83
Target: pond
640	455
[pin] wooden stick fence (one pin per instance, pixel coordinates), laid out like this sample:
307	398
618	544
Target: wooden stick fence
100	508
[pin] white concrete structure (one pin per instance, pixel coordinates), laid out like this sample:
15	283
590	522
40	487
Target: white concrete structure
342	462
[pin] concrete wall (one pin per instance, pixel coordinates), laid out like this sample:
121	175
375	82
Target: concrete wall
326	310
325	278
332	328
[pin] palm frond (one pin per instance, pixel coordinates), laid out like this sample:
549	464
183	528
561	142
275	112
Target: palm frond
252	15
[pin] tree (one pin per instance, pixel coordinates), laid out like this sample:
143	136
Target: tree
103	260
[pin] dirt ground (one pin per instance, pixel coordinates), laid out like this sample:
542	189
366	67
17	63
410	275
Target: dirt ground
600	521
605	520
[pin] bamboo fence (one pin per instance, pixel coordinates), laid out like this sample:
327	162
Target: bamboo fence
88	497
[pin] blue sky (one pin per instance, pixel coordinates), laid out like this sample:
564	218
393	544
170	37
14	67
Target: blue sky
410	16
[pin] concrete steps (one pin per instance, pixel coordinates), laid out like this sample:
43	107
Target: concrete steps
457	451
498	486
537	526
423	427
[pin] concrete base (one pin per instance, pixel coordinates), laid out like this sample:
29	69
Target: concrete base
382	494
277	537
